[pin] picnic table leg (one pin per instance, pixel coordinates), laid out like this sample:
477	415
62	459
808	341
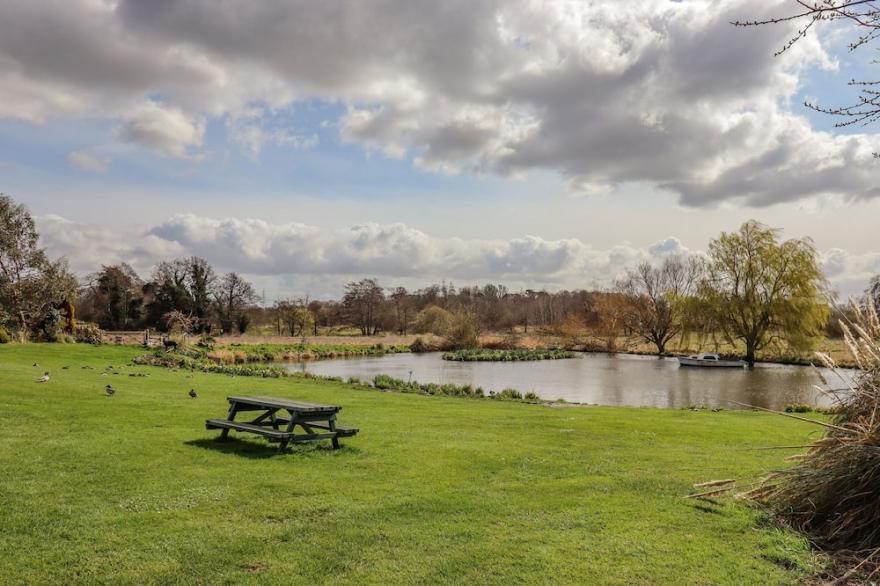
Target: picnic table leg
233	409
335	439
290	426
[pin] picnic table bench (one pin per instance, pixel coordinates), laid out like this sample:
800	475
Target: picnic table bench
318	422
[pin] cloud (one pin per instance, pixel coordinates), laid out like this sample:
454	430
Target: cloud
87	247
296	253
166	130
250	133
88	162
604	93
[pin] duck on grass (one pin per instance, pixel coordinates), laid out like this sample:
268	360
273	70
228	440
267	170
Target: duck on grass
490	355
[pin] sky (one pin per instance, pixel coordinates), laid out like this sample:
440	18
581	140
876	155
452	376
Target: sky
537	144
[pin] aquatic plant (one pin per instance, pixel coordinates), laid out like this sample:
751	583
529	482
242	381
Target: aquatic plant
490	355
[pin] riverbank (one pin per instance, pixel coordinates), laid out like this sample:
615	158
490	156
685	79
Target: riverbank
132	488
833	347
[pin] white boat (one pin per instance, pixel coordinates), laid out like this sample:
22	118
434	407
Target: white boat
709	359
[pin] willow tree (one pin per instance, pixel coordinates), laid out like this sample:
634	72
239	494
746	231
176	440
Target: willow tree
759	291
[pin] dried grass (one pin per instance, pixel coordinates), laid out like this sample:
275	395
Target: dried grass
832	493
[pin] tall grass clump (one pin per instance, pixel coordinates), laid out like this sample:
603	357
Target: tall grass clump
832	493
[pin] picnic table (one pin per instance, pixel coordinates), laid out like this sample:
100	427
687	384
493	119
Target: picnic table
318	422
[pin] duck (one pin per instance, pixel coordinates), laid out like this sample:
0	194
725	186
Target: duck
192	393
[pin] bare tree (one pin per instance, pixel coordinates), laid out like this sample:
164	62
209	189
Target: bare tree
656	297
232	294
401	309
362	303
864	15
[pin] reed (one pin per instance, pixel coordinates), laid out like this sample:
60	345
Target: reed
832	492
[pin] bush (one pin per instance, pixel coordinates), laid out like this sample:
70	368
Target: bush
798	408
532	397
509	394
432	320
418	346
88	333
462	331
4	336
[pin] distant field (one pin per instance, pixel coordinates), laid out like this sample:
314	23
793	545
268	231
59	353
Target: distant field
132	488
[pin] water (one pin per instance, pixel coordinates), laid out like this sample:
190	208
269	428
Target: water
603	379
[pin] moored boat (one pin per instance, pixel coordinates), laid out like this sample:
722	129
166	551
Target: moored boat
709	359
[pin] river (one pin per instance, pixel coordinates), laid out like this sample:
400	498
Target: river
602	379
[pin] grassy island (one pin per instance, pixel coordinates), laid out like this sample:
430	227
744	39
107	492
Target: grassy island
490	355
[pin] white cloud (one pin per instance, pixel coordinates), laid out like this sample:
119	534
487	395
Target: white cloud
249	132
87	247
299	253
88	162
164	129
604	93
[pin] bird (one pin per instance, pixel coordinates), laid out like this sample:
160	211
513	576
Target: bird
192	393
44	378
109	390
65	367
35	365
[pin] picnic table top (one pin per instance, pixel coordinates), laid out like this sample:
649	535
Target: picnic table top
275	402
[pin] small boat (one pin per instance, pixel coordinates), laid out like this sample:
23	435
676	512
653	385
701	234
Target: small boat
709	359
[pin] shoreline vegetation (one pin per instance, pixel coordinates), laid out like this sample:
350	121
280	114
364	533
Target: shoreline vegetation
192	362
196	361
512	355
247	349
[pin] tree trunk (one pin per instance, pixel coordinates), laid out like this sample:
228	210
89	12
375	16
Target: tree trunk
750	353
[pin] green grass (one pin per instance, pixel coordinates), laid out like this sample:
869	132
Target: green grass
133	489
491	355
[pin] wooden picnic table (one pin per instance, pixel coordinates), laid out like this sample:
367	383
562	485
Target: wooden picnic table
275	427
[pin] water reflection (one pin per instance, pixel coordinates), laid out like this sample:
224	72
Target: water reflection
604	379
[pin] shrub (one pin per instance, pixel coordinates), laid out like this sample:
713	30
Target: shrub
509	394
798	408
532	397
418	346
462	331
432	320
4	336
88	333
242	322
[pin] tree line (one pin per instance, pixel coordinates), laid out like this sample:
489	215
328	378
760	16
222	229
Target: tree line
751	289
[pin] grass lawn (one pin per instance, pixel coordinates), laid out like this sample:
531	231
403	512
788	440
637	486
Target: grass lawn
133	489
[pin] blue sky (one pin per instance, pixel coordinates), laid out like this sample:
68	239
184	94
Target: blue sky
305	145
